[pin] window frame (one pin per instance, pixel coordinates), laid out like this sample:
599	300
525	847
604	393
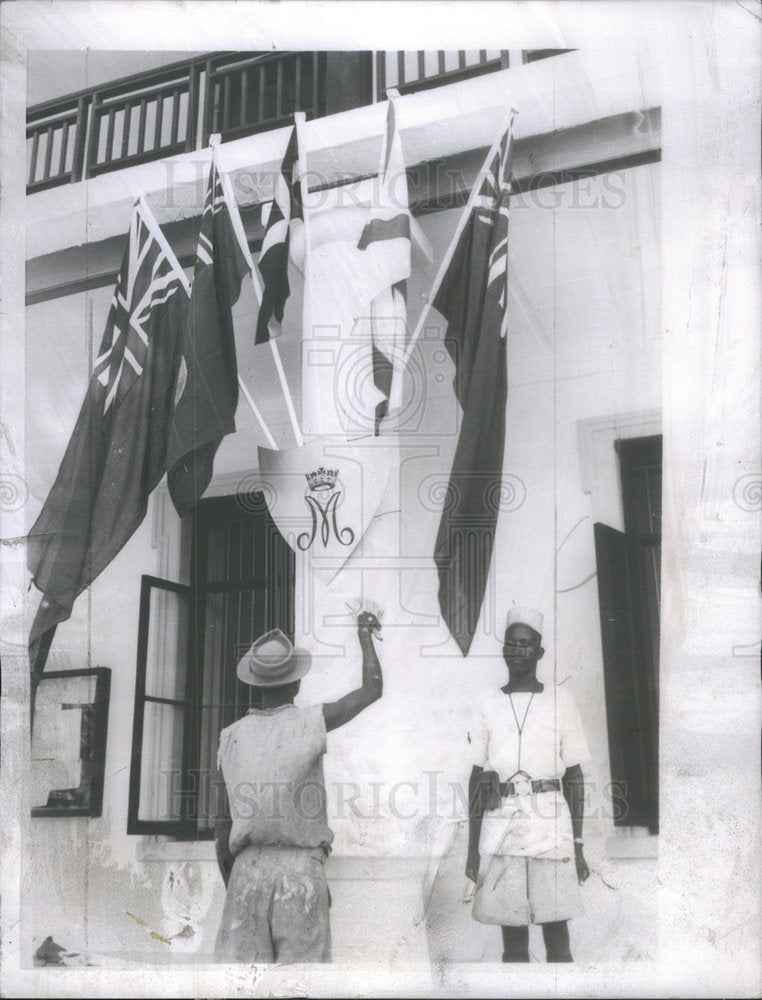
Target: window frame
271	577
182	829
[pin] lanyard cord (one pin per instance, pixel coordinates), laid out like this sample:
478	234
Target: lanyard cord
485	872
520	728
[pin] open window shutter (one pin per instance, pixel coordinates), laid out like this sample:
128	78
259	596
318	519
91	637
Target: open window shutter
158	802
629	676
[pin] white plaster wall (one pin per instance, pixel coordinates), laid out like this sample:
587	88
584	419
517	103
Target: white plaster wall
584	343
82	874
706	67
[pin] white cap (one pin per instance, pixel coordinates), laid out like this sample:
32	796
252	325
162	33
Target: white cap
524	616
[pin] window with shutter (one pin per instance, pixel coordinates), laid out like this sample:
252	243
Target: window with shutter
191	638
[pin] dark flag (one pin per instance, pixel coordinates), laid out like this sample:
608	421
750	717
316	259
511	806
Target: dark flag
207	383
117	451
273	259
472	297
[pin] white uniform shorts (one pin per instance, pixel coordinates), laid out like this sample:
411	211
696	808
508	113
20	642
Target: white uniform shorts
515	891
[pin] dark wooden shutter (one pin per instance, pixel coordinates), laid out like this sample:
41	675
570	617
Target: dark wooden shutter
630	676
641	475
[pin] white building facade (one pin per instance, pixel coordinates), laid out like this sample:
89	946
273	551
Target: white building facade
586	417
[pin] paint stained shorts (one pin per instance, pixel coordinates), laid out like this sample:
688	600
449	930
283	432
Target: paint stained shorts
276	907
516	891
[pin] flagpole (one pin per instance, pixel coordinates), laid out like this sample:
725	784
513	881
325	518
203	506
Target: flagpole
422	241
244	244
282	374
508	122
300	118
155	230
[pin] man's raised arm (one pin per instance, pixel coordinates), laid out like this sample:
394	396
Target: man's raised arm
338	712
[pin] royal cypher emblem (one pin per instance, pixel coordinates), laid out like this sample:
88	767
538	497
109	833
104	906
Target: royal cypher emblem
322	507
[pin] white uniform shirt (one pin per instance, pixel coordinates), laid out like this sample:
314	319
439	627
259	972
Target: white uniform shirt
552	739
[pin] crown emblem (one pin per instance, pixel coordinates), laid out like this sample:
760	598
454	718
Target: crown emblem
322	479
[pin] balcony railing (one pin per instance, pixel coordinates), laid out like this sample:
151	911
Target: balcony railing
247	95
169	111
411	71
175	109
56	135
137	120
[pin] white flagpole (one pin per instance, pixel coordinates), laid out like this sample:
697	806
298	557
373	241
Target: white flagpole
398	368
237	225
238	229
418	235
300	118
155	230
508	122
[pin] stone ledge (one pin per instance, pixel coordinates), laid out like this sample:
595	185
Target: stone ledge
624	848
338	866
151	849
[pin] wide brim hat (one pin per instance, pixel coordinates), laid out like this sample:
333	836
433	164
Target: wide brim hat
524	616
272	660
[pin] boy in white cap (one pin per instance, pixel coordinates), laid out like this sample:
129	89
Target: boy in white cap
272	851
526	795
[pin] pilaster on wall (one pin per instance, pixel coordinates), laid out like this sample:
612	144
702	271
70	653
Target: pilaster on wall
597	459
168	538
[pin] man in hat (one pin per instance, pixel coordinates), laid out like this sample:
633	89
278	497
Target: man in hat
526	796
272	851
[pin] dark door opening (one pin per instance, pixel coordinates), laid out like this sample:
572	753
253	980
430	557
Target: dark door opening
629	566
